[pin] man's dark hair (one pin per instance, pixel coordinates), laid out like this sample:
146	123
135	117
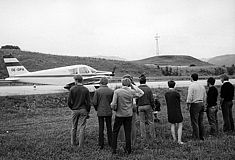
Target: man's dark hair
194	76
211	80
171	84
78	78
142	80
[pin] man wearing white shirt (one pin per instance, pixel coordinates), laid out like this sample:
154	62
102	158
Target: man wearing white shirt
195	102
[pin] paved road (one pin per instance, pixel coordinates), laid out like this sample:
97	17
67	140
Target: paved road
46	89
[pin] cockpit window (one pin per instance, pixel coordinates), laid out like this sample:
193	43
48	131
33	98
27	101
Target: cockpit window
93	70
73	71
83	70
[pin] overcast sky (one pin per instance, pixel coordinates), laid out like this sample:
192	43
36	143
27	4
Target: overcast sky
124	28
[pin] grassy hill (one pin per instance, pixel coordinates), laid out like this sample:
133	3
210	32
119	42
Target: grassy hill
34	61
226	60
174	60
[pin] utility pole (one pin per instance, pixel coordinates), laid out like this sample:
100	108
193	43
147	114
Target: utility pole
157	46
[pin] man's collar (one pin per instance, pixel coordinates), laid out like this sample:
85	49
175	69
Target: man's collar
225	81
125	87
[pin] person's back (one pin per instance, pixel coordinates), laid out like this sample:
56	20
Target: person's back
79	98
125	102
174	114
173	101
147	98
227	91
196	100
196	93
122	103
212	108
226	95
79	103
103	100
212	96
145	107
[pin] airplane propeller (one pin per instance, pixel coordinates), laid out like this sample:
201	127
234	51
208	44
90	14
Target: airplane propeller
113	72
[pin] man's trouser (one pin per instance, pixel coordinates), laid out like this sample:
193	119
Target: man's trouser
108	121
78	123
126	122
227	116
196	115
212	119
146	122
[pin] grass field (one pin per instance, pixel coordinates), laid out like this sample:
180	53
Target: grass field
38	127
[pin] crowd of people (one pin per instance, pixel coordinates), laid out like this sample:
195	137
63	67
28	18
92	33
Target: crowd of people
130	101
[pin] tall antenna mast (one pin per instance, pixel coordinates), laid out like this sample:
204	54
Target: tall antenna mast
157	46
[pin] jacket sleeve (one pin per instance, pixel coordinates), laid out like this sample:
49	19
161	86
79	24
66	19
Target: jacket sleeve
190	95
222	92
204	95
114	102
88	100
152	100
137	92
95	100
70	100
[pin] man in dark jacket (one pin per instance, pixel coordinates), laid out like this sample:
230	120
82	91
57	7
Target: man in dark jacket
145	107
101	101
212	108
226	95
79	103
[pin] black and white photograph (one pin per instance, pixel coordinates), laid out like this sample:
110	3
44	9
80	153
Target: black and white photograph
117	79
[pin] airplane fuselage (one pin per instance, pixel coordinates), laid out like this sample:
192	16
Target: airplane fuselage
61	75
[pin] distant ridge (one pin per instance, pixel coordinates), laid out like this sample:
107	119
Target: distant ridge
173	60
226	60
110	58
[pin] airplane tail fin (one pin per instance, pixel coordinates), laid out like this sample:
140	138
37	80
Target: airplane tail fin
13	66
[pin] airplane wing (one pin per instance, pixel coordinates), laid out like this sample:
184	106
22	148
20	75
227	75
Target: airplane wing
30	90
4	81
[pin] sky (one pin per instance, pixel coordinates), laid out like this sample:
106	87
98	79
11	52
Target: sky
123	28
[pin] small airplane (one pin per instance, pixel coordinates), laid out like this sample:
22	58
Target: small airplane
57	76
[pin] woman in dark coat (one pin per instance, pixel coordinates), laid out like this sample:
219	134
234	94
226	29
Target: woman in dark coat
174	111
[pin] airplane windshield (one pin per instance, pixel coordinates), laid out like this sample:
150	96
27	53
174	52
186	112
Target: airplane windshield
83	70
93	70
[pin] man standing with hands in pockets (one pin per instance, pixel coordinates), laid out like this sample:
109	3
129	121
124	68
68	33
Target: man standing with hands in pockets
80	104
196	100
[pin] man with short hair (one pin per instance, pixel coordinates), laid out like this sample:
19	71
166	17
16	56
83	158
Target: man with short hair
212	108
196	100
102	98
121	134
145	107
122	104
226	95
79	103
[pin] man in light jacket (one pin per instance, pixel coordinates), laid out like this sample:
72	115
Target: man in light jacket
122	104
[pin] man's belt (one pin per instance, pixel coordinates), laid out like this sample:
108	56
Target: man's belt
198	101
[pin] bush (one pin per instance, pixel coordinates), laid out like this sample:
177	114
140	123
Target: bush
10	47
231	70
